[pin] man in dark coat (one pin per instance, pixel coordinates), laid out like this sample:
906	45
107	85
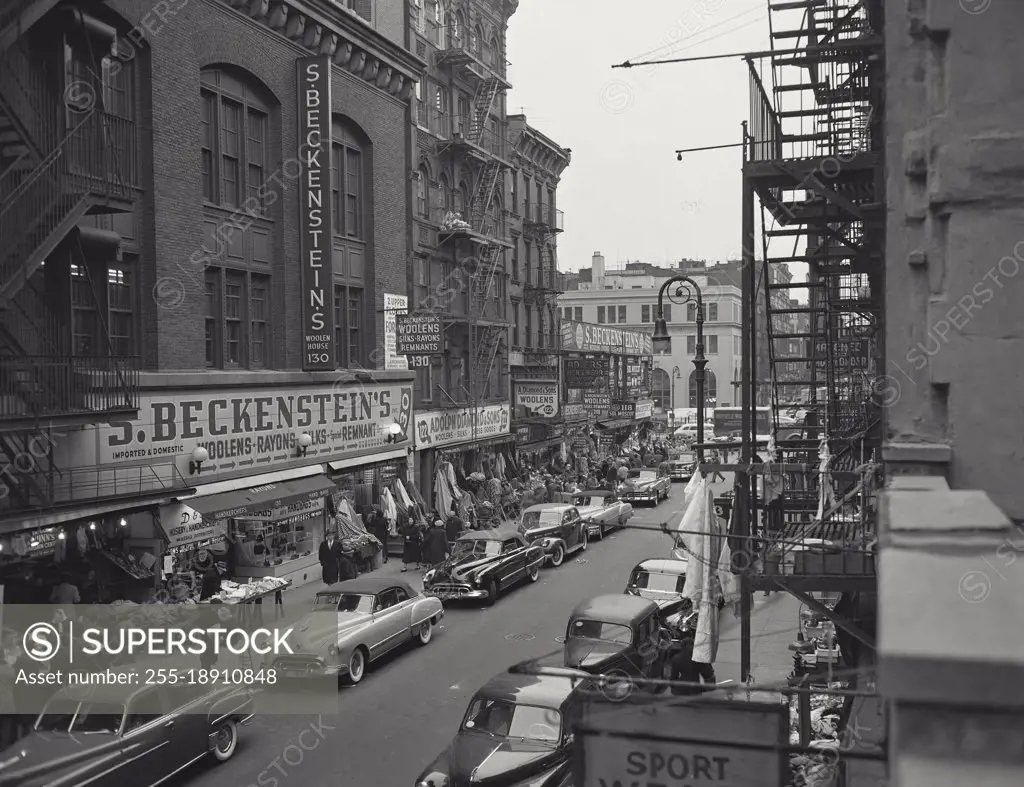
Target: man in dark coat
330	558
435	544
453	528
685	669
378	527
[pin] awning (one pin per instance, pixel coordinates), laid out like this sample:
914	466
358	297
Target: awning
246	502
372	459
619	423
542	444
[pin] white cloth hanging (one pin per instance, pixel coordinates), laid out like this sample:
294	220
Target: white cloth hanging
83	540
443	498
701	585
826	494
453	482
388	507
402	494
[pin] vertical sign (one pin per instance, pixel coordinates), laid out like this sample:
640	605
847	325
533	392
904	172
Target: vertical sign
315	213
393	306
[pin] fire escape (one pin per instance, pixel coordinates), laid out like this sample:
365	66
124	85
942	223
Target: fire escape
815	162
478	141
542	224
63	157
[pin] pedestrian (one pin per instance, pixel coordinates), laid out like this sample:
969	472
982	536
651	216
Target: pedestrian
410	544
716	457
435	545
347	568
330	558
453	528
685	670
379	529
211	582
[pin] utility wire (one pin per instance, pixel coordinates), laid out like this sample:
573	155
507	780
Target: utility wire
700	32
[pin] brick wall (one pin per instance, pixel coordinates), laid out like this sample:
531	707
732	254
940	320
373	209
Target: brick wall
205	33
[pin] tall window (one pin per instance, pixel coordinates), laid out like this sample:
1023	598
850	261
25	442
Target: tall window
712	310
712	342
661	389
528	259
526	198
348	326
234	123
622	314
441	100
235	131
84	315
600	314
645	313
551	208
121	307
540	203
579	314
347	183
710	389
691	344
514	177
456	27
422	207
528	339
445	194
515	260
516	306
475	37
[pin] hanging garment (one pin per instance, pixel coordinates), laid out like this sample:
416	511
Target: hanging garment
19	544
60	552
388	507
701	585
82	537
443	498
403	496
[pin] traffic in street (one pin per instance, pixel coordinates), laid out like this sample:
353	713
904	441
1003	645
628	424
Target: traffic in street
404	712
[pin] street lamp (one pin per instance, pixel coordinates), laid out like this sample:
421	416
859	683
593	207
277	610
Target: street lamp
676	375
662	342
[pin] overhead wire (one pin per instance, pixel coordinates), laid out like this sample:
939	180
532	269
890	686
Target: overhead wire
702	31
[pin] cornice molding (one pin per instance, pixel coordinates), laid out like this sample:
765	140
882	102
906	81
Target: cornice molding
323	28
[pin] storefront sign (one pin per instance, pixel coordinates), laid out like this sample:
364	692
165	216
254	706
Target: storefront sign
540	398
419	335
395	307
256	429
574	411
644	409
588	338
315	213
596	404
846	354
182	526
622	410
584	372
522	435
447	427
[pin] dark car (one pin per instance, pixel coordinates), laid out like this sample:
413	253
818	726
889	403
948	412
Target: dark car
620	637
483	564
681	467
645	485
113	735
557	528
516	732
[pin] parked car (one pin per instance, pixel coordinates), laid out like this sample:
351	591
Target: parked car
645	486
661	581
516	731
484	564
620	638
356	622
681	467
601	512
557	528
118	734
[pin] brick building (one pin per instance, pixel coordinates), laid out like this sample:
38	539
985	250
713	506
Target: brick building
461	235
538	164
195	259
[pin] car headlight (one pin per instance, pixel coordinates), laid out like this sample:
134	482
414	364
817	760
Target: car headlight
332	650
434	780
428	576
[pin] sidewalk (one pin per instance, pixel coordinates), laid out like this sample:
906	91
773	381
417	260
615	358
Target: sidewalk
774	623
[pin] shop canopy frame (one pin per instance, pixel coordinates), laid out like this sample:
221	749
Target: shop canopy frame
614	424
247	502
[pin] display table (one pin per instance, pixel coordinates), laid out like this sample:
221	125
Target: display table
298	571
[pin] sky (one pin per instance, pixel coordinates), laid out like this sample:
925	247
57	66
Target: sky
625	194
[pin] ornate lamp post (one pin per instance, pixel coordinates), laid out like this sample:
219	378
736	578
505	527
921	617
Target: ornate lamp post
686	291
676	375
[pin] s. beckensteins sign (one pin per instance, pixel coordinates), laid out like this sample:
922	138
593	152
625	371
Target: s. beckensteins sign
316	213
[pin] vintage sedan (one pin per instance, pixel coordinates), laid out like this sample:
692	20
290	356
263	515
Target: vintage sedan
112	735
356	622
601	512
516	733
645	485
557	528
681	467
620	638
661	581
484	564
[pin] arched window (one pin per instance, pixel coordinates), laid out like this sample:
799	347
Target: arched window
661	388
456	27
494	55
710	389
462	200
422	183
445	189
351	178
234	161
475	39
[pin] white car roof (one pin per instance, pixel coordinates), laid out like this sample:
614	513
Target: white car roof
663	566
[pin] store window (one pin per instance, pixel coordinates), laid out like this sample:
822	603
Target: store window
348	327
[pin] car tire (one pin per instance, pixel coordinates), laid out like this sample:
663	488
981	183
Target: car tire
623	520
356	666
533	573
584	540
424	632
492	593
558	556
226	741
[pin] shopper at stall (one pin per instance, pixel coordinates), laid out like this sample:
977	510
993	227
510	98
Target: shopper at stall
411	544
378	527
453	527
211	577
330	558
435	544
686	670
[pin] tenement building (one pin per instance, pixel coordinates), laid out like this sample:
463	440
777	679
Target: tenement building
461	238
535	283
203	208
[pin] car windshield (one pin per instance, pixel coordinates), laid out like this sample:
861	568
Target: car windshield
599	630
343	602
666	583
534	519
504	719
67	715
591	501
478	547
643	475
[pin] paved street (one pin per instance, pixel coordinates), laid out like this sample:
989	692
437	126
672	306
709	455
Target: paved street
407	708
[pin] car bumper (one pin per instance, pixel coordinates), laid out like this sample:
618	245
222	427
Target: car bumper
646	497
298	669
681	476
454	592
